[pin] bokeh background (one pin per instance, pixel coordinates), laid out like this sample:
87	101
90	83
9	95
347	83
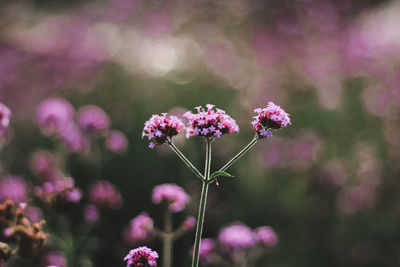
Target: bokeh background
328	184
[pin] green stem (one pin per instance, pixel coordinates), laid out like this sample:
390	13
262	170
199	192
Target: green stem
240	154
186	161
167	239
202	206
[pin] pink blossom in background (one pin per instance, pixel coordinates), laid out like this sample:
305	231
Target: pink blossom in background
15	188
141	257
75	140
43	164
5	114
91	213
116	142
55	258
173	194
266	235
236	237
207	246
93	119
140	228
34	214
189	223
210	122
105	194
53	115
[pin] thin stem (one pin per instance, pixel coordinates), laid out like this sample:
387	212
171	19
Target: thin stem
185	160
167	239
240	154
202	207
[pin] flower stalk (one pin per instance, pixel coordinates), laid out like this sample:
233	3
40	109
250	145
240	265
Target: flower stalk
202	206
168	238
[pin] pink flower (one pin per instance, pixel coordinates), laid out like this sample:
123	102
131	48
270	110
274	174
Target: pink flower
105	194
266	235
5	115
210	123
53	114
173	194
189	223
237	236
271	117
91	213
93	119
116	142
141	257
13	187
140	228
207	245
161	129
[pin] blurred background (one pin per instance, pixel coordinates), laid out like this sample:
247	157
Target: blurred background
328	184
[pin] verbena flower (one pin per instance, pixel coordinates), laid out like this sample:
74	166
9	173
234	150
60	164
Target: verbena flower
141	257
53	114
266	235
91	213
207	246
140	228
75	140
189	223
93	119
160	129
116	142
5	115
237	236
209	123
268	118
105	194
13	187
173	194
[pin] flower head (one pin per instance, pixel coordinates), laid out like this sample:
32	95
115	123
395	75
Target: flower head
116	142
141	257
5	115
210	123
271	117
13	187
141	228
207	245
189	223
105	194
173	194
266	235
237	236
53	114
93	119
160	129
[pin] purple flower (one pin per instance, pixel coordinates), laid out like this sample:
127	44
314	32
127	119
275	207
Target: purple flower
53	114
13	187
160	129
173	194
43	164
205	122
116	142
74	139
140	228
189	223
91	213
271	117
105	194
266	235
93	119
237	236
55	258
207	245
5	115
34	214
73	195
141	257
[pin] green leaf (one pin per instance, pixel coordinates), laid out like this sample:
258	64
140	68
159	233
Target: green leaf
219	174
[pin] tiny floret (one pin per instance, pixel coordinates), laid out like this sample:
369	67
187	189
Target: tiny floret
160	129
210	123
271	117
141	257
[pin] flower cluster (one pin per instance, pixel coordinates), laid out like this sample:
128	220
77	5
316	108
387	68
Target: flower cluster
268	118
5	115
209	123
14	188
105	195
237	236
141	228
56	116
17	229
141	257
160	129
173	194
